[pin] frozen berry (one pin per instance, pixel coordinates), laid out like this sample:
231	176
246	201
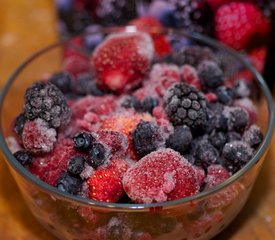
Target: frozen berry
19	123
122	60
216	120
216	174
46	101
23	157
180	139
69	184
149	103
185	105
210	75
253	136
233	136
146	138
83	141
97	155
225	95
77	64
76	165
85	85
160	176
218	139
63	81
242	89
38	137
131	102
189	75
236	154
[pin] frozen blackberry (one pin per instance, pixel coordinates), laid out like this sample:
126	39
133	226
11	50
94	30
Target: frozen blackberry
23	157
253	136
83	141
180	139
218	139
210	75
76	165
237	118
149	103
69	184
132	102
192	55
147	138
63	81
86	85
97	155
185	105
235	155
225	95
46	101
19	123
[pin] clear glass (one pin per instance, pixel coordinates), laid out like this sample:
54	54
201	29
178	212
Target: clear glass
197	217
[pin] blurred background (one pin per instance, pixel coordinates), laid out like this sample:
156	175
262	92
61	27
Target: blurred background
245	25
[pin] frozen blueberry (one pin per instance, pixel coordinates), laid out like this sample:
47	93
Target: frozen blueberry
253	136
225	95
19	123
62	80
86	85
218	139
149	103
83	140
69	184
132	102
23	157
76	165
233	136
97	155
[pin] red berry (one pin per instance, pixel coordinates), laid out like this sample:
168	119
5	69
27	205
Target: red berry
257	57
160	176
73	47
122	60
119	165
105	185
76	64
216	174
238	22
189	75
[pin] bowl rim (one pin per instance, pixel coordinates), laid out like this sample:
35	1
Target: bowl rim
128	206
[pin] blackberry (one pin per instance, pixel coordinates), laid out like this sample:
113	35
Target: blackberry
76	165
97	155
210	75
180	139
23	157
19	123
149	103
237	118
132	102
185	105
63	81
46	101
225	95
69	184
86	85
193	55
217	139
146	138
235	155
253	136
83	141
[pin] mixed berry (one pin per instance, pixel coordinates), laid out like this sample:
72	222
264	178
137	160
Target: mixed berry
128	125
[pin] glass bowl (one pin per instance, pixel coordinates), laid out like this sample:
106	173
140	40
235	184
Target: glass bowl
201	216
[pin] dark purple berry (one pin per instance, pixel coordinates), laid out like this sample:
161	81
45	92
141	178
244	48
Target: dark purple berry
210	75
83	141
86	85
132	102
69	184
216	120
63	81
149	103
46	101
225	95
180	139
76	165
23	157
97	155
235	155
217	139
253	136
147	138
233	136
241	89
19	123
185	105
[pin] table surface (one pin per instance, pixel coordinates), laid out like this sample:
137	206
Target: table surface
25	27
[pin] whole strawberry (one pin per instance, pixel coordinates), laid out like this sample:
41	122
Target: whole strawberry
238	23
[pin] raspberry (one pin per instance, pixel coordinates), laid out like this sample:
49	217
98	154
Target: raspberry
186	105
180	139
105	185
147	137
63	81
77	64
46	101
69	184
19	123
50	166
176	178
200	175
86	85
193	55
253	136
238	23
210	75
216	174
38	137
189	75
122	60
23	157
76	165
236	154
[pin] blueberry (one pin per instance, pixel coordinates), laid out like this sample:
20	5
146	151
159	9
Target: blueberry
82	141
132	102
69	184
253	136
97	155
63	81
115	232
180	139
23	157
19	124
149	103
86	85
218	139
76	165
233	136
225	95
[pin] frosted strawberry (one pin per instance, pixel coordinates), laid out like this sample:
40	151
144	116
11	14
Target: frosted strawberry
105	185
238	22
160	176
122	60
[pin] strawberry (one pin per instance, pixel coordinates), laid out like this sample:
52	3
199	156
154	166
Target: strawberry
73	47
237	23
105	185
153	26
122	60
76	64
